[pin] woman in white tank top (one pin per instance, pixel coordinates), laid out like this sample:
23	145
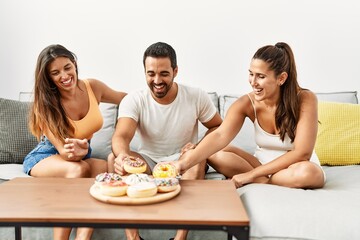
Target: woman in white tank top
285	120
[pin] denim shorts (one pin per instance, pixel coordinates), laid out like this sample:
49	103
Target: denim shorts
43	150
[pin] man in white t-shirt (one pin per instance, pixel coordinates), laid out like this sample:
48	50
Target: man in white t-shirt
165	117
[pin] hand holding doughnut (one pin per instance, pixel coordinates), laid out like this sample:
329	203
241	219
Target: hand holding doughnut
164	170
125	164
119	164
134	165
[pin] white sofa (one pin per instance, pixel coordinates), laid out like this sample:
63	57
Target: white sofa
330	213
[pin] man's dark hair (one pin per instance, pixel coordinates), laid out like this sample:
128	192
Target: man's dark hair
161	50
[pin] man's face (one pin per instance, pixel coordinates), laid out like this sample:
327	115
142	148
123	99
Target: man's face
159	76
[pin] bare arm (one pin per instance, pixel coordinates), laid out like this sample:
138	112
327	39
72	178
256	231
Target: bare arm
218	138
124	133
104	93
211	125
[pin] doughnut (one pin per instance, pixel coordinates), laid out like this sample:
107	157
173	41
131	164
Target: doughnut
166	184
135	178
111	184
107	177
164	170
134	165
142	190
113	188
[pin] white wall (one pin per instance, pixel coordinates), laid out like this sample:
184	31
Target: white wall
214	39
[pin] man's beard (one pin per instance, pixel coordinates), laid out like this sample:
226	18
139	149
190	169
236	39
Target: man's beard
163	93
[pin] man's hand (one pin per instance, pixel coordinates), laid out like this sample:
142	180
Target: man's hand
76	149
187	147
119	164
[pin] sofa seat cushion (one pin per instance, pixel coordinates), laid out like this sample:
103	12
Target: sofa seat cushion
328	213
10	171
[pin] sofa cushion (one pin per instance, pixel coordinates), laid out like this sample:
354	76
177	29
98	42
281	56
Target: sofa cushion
245	139
345	97
11	170
338	140
215	99
15	138
287	213
101	140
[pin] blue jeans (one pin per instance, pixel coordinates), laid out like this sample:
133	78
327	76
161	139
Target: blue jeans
43	150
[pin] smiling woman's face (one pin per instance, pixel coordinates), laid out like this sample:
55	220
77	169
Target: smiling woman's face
63	73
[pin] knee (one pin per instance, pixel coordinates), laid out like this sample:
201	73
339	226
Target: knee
196	172
79	170
218	155
308	176
200	167
111	157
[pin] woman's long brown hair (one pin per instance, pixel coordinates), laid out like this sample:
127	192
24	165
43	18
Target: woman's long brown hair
47	113
281	59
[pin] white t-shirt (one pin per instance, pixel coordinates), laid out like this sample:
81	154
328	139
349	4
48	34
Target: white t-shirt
164	129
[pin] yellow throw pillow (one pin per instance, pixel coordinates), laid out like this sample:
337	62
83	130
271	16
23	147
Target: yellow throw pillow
338	138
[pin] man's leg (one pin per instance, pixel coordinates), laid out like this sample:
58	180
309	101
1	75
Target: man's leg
132	234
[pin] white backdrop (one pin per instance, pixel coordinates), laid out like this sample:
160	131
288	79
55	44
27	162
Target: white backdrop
214	39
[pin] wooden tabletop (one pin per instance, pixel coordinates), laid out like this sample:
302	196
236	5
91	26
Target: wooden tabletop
54	200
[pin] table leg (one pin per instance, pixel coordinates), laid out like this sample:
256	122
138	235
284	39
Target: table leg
238	233
17	232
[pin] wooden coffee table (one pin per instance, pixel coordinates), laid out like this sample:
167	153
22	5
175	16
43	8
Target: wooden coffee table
48	202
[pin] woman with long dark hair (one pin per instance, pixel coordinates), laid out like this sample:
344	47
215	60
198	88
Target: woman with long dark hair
285	120
64	116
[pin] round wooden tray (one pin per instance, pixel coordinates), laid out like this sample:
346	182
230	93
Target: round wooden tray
125	200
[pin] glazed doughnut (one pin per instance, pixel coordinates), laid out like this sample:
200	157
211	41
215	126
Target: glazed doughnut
136	178
164	170
113	188
166	184
107	177
142	189
134	165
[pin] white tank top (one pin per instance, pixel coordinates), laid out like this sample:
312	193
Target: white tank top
270	146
